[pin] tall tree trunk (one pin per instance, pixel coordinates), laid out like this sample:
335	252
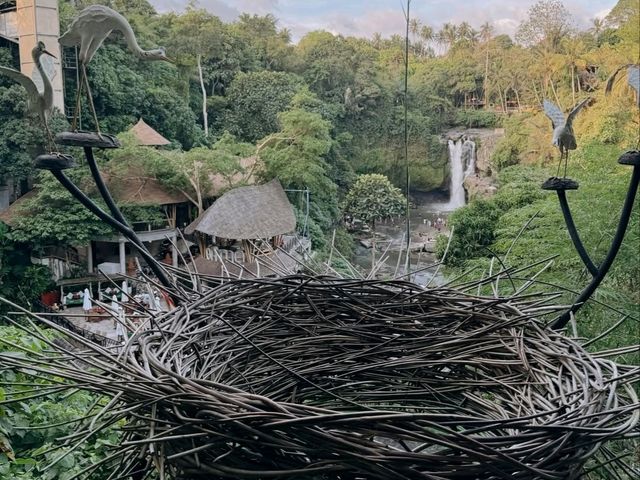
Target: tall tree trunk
502	100
518	100
486	76
573	83
205	119
535	91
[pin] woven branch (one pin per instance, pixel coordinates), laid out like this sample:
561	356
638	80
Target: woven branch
314	377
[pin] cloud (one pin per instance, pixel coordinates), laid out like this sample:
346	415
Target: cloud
219	8
364	17
261	7
387	22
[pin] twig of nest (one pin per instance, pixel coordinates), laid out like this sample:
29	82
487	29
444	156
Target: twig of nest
324	378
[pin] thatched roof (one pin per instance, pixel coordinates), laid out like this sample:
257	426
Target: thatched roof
17	208
259	211
147	136
128	188
134	189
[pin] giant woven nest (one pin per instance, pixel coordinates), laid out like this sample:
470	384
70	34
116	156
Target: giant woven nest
326	378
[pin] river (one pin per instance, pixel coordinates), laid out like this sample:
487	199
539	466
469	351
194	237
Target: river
428	219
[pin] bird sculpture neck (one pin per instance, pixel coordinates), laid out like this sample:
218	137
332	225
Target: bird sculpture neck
46	81
132	42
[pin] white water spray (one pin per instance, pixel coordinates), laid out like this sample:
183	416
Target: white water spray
462	158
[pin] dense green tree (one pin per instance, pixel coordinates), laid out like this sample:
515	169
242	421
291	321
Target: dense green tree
271	46
255	99
22	137
20	280
298	156
53	217
196	36
547	23
371	199
295	154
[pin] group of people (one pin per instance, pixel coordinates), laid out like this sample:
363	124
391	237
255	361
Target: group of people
438	224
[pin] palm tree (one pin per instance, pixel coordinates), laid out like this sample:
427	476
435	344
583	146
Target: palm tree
285	35
448	35
376	40
414	28
597	25
465	32
486	33
427	36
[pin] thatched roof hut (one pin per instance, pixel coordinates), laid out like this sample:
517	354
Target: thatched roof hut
128	188
17	208
134	188
245	213
147	136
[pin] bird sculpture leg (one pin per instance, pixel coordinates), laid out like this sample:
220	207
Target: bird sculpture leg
566	161
559	164
50	140
91	105
76	111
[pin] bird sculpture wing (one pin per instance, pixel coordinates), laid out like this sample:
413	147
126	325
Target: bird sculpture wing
576	109
49	69
554	113
633	77
88	20
26	82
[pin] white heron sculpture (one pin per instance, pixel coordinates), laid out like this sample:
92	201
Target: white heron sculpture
87	32
39	101
563	136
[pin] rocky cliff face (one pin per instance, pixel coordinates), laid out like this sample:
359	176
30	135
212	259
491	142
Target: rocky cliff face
479	187
485	145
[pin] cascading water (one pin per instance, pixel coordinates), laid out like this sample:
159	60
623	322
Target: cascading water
462	157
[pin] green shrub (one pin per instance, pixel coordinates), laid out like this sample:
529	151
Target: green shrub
476	119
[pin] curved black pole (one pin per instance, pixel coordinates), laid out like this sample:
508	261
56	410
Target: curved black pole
124	229
106	195
623	223
102	188
573	233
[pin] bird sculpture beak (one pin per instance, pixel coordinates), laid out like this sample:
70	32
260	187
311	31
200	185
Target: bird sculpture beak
50	54
170	60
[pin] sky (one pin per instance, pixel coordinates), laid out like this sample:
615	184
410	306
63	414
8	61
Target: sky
362	18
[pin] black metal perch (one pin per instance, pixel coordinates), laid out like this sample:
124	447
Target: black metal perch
125	230
58	162
598	273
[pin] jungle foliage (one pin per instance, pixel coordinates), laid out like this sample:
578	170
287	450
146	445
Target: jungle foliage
316	114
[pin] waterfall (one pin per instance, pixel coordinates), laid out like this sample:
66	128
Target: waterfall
462	158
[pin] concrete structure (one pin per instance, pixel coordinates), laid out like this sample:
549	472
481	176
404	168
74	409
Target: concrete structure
8	20
38	20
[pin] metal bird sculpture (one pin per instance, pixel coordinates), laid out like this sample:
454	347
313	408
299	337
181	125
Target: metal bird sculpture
39	101
88	31
633	78
563	136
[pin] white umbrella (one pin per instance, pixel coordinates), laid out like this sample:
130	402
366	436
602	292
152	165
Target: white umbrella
120	332
86	300
114	305
125	291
